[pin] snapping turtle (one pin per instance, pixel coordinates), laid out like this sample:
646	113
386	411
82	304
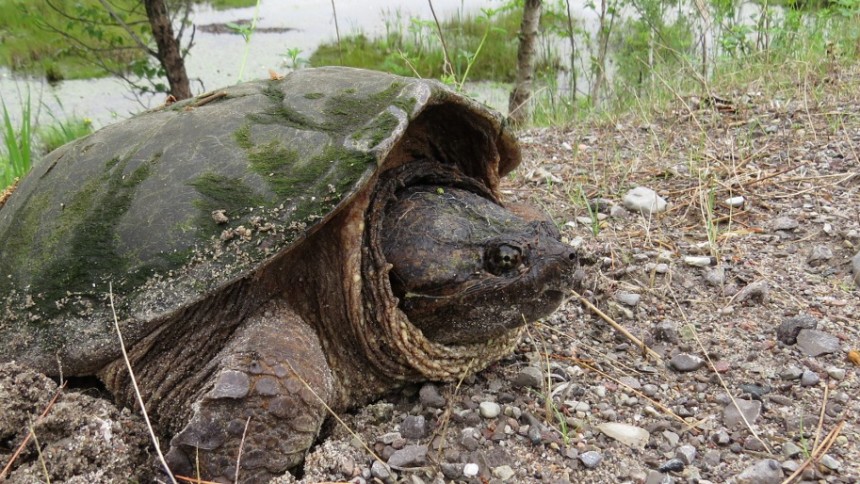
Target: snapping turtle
271	248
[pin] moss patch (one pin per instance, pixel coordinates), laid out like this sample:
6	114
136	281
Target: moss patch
219	192
314	95
81	249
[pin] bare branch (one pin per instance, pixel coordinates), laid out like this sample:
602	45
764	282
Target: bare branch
137	40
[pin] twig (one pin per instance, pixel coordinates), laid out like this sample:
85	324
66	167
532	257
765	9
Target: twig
817	453
241	446
449	67
136	389
30	433
617	326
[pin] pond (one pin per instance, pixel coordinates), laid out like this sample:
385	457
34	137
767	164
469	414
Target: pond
215	59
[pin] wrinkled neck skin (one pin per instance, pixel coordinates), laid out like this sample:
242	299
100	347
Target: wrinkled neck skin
345	293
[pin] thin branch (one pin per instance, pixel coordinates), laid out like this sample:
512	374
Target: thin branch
136	389
137	40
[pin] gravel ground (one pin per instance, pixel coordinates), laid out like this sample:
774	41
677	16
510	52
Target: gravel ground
744	285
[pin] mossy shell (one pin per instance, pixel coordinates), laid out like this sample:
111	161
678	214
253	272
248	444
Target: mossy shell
129	209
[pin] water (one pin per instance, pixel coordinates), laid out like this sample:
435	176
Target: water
215	59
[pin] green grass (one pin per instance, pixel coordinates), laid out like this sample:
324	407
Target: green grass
15	160
23	142
418	51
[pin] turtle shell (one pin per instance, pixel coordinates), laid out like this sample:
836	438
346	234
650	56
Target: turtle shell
169	209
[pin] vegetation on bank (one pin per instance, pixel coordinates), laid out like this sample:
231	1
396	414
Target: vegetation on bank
42	37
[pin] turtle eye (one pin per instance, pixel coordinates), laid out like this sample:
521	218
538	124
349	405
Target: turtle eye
502	259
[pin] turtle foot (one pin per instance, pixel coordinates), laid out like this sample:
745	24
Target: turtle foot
264	405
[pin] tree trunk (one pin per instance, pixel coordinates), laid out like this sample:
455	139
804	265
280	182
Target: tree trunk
168	48
522	92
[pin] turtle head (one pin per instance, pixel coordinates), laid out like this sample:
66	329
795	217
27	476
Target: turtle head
466	269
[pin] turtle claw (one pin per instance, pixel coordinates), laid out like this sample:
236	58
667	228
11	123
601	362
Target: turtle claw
257	413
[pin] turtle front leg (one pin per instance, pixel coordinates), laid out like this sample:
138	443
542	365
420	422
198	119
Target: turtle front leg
261	383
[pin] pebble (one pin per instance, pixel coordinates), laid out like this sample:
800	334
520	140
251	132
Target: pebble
672	465
809	379
685	362
409	456
430	397
712	457
829	462
698	260
686	454
530	376
657	477
791	450
414	427
791	373
815	343
503	472
628	298
380	471
836	373
590	459
470	470
644	200
754	291
767	471
489	409
751	409
789	328
630	435
784	223
716	276
735	202
452	471
819	255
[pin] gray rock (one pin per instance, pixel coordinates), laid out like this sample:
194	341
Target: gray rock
590	459
684	362
489	409
791	450
819	255
789	328
409	456
686	453
755	292
380	471
430	397
644	200
657	477
452	471
836	373
414	427
530	376
767	471
750	409
829	462
666	331
815	343
712	457
716	276
809	379
784	223
503	472
628	298
791	373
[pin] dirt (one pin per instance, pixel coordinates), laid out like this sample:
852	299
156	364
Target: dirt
725	331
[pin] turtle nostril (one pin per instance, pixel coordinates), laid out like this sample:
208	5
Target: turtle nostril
503	258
